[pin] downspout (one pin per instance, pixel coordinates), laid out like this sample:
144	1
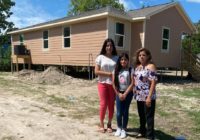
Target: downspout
130	43
107	26
144	33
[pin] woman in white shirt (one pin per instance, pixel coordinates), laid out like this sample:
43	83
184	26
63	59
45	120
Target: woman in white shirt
105	65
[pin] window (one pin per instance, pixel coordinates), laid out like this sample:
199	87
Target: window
21	39
165	39
45	39
119	35
66	36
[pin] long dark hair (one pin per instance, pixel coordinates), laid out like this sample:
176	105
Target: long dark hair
147	52
118	68
103	50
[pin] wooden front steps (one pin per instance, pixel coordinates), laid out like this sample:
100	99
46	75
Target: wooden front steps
191	63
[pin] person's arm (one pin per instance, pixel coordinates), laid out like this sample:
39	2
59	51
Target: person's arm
130	87
152	68
117	92
113	84
98	71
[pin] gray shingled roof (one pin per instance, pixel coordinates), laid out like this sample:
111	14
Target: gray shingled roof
85	14
144	12
111	11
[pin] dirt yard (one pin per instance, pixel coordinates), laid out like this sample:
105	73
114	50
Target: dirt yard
52	106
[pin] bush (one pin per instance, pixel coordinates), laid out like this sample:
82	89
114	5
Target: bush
5	58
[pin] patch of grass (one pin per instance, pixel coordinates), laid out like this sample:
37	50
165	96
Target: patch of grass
162	112
166	105
5	83
84	112
178	119
81	132
61	114
193	92
52	99
85	108
42	108
4	73
25	88
8	138
133	120
195	116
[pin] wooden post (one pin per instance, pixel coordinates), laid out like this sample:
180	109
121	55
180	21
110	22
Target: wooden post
181	73
176	73
161	75
11	64
17	66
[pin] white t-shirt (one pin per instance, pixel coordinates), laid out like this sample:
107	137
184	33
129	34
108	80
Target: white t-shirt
106	64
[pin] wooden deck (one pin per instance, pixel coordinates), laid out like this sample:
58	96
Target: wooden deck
26	59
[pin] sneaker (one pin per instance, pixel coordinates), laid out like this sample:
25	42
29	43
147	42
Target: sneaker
118	132
123	134
139	135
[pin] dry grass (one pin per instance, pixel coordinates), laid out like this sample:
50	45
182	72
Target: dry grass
177	108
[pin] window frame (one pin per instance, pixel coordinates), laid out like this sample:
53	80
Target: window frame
63	31
21	41
44	39
165	39
119	35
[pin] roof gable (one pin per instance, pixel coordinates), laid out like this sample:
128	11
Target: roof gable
147	12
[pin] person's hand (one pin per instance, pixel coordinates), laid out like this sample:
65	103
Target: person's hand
121	96
110	74
124	96
148	102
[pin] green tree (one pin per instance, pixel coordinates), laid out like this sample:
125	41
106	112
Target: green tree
193	40
5	13
196	39
80	6
5	44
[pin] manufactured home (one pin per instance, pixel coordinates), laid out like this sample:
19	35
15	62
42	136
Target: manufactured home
77	40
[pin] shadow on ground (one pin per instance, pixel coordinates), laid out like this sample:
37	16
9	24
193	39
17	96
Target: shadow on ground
160	135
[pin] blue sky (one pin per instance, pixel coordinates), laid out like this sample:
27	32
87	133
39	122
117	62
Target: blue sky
30	12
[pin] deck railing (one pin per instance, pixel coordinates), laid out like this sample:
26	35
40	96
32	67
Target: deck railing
191	63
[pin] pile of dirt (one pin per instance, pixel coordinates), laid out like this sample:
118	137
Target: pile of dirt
52	75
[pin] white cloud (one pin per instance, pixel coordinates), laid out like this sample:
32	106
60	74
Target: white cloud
196	1
128	4
26	14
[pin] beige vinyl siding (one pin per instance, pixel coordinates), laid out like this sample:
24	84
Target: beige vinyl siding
137	37
86	37
172	20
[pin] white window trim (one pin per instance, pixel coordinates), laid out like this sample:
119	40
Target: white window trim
45	49
168	40
63	38
123	35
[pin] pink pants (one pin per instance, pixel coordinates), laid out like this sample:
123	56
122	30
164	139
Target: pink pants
107	99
